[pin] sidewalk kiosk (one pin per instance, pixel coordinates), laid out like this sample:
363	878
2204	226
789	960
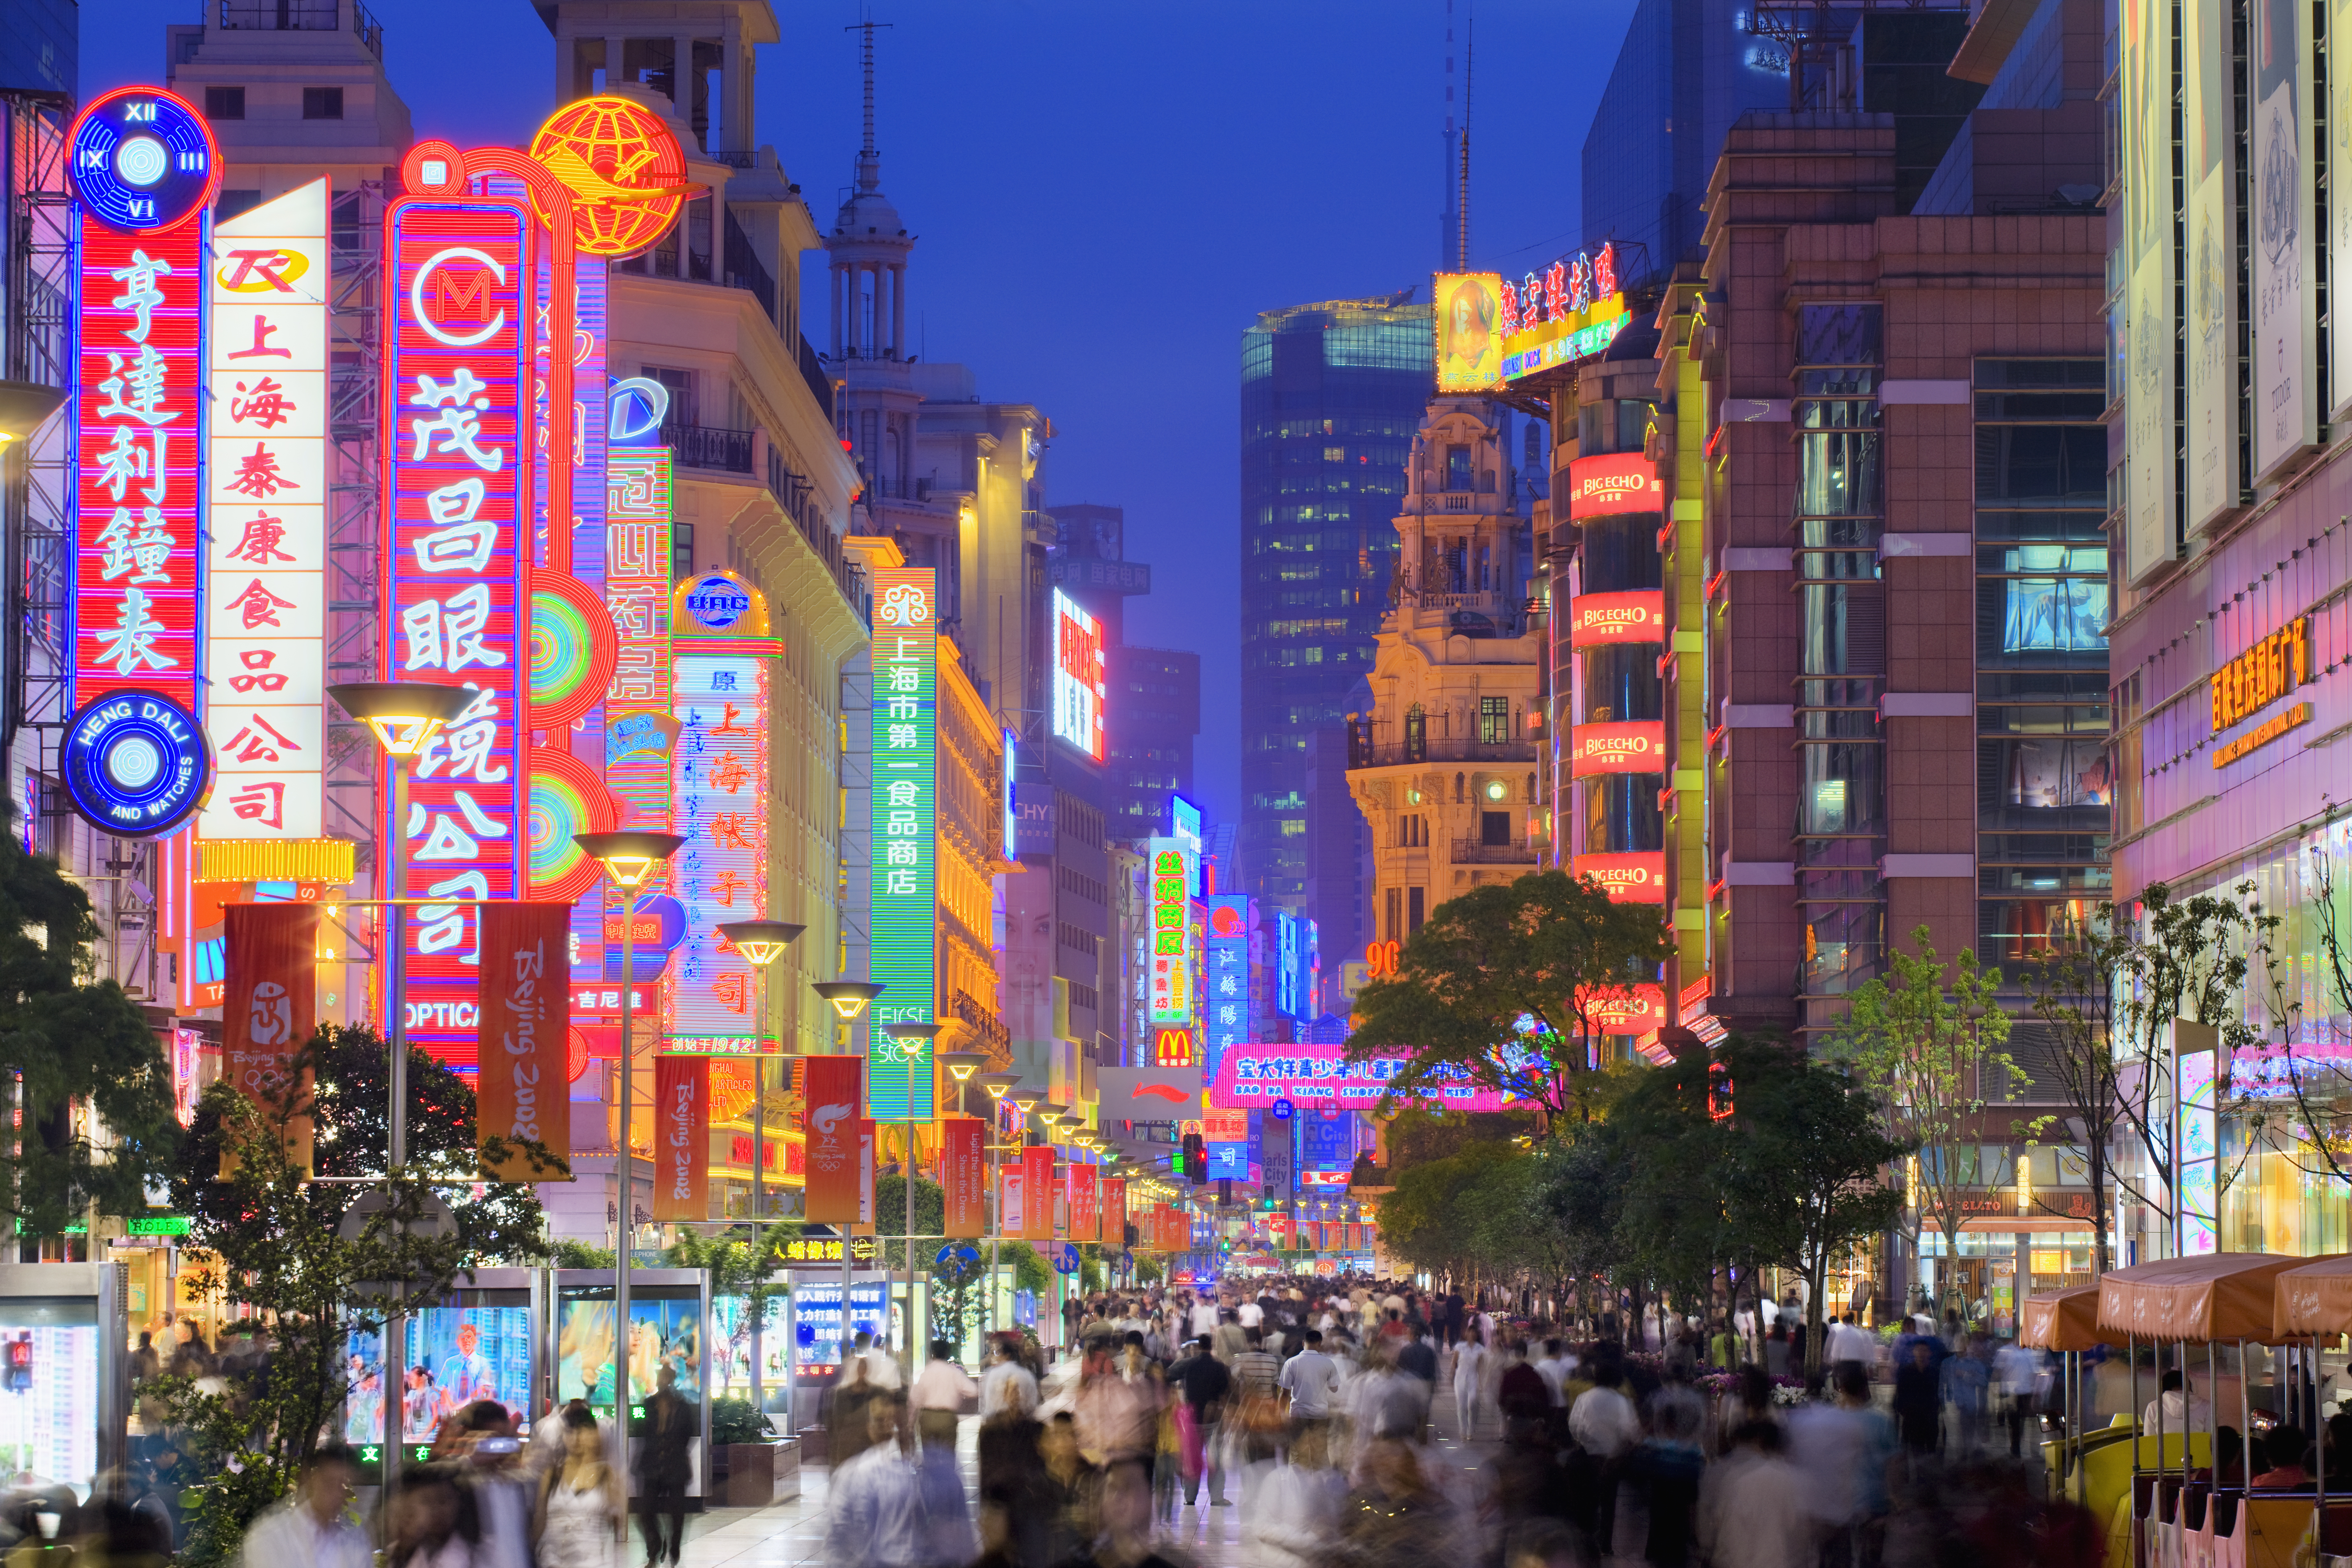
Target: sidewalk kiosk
2314	1302
669	1325
2066	1324
65	1389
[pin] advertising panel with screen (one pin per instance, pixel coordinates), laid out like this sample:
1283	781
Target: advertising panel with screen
459	1354
665	1331
730	1345
1079	686
49	1389
817	1332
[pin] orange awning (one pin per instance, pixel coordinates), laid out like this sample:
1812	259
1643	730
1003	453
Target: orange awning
2062	1320
2215	1296
2314	1298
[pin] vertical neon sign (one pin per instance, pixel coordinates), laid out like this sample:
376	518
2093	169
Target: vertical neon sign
1173	874
266	556
905	921
458	567
711	990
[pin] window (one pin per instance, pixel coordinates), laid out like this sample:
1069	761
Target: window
681	552
224	103
1412	910
1495	827
322	103
679	384
1392	901
1494	720
1457	468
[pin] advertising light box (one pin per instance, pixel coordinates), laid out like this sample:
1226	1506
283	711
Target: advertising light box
1080	688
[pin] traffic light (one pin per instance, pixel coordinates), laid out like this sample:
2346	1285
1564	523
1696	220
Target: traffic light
1196	1158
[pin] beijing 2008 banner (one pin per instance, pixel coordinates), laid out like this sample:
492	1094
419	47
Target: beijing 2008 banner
522	1095
681	1138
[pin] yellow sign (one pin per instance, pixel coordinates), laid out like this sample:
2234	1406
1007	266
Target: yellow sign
1468	309
2262	673
2262	734
625	170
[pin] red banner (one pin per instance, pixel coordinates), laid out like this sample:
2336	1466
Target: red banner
682	1138
1175	1230
520	1095
1114	1210
1632	746
832	1128
1277	1225
1613	482
1631	878
1085	1204
963	1171
1037	1193
267	1011
1011	1207
1600	620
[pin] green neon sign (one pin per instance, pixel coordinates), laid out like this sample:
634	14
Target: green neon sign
904	922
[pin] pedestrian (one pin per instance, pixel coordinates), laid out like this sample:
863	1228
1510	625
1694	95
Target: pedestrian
1968	1378
873	1508
1919	1400
1663	1472
504	1500
433	1524
1751	1509
1312	1379
665	1465
1469	1363
314	1527
579	1498
1841	1450
1202	1384
938	1395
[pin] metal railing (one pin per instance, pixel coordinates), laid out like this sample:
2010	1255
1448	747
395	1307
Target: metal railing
744	269
819	383
302	16
1363	751
993	1036
1477	852
707	447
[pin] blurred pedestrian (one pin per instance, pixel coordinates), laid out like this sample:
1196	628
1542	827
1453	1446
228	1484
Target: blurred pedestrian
873	1508
580	1499
1751	1509
663	1449
1469	1362
1919	1400
313	1528
432	1525
938	1395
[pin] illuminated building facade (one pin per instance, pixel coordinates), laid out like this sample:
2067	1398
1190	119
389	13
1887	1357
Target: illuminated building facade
1443	767
1331	396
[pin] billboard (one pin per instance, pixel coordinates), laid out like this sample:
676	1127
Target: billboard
1226	1003
1173	874
1603	620
903	933
1635	878
266	553
718	802
1571	311
1613	482
1631	746
1259	1075
1467	321
1079	684
2280	210
1289	964
2211	156
2149	231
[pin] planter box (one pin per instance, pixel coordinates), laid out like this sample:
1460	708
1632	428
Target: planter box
759	1474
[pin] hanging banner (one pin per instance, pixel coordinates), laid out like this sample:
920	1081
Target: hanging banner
866	1176
963	1170
1038	1215
521	1095
1114	1211
682	1138
2279	211
832	1124
1085	1204
1011	1209
2214	483
1175	1230
266	1012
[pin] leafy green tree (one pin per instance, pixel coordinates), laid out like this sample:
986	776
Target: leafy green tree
1672	1152
70	1041
1548	949
1926	1040
1431	1219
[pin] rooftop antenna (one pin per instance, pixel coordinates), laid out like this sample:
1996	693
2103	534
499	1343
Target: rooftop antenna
869	161
1447	218
1469	61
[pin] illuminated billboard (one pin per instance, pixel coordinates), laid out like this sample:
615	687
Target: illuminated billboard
903	934
1170	987
1635	878
1226	1003
718	804
1079	685
1613	482
1469	307
1635	616
265	620
1629	746
1571	311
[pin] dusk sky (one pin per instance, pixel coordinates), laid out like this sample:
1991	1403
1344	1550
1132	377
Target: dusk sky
1105	196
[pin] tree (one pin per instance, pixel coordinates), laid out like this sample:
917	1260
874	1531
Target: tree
68	1039
1801	1168
2073	985
275	1235
2302	1105
1930	1049
1505	989
1430	1219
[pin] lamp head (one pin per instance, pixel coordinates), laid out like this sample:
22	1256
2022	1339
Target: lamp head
996	1083
1050	1113
404	715
761	941
912	1029
631	857
962	1064
848	997
1028	1100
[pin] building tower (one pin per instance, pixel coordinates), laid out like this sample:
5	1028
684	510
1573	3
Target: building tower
1444	765
1331	396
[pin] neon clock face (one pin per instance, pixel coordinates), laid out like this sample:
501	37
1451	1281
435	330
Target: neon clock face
143	161
136	762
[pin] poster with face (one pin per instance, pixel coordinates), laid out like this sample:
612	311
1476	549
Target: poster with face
662	1333
2149	224
459	1354
2212	264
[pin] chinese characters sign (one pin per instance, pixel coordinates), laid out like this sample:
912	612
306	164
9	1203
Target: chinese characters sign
266	458
719	791
904	820
458	453
1078	679
1254	1075
1172	927
1226	1005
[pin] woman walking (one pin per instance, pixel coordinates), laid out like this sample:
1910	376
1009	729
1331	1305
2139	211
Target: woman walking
1469	1362
580	1500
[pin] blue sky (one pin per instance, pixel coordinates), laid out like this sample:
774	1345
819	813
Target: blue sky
1105	196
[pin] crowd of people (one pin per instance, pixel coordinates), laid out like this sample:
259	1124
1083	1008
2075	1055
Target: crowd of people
1308	1411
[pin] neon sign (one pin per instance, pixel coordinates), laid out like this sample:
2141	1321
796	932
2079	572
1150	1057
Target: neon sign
1631	746
266	559
1598	620
904	927
1571	311
1612	483
1226	1004
2265	672
720	785
1628	878
144	168
1171	959
1079	685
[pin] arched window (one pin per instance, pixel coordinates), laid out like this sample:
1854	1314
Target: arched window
1457	789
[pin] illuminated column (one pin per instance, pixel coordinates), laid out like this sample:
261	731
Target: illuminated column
904	923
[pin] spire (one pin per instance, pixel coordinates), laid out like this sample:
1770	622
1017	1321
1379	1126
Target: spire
1448	218
1469	60
869	161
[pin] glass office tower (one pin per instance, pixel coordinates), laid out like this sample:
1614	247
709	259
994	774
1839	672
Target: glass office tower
1331	394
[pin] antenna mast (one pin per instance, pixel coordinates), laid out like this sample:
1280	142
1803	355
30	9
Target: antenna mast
869	161
1469	61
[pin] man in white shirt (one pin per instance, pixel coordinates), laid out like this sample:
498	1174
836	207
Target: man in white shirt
1252	1315
1205	1317
1554	1368
1602	1421
875	1503
313	1528
1312	1379
938	1395
1847	1341
1006	1388
2179	1408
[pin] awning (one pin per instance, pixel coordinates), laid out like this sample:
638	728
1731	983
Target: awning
2215	1296
2314	1298
2062	1320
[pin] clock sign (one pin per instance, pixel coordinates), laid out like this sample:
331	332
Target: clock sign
143	161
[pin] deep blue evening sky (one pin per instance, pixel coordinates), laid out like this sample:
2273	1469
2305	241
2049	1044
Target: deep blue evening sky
1105	195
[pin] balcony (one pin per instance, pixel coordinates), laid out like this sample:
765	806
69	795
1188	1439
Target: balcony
797	496
1476	852
300	17
707	447
1364	751
991	1036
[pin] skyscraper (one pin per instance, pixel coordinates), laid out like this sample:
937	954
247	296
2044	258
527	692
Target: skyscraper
1155	715
1331	395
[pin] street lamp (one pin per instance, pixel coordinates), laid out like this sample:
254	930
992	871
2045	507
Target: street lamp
911	1029
961	1065
404	716
849	999
630	859
996	1083
761	943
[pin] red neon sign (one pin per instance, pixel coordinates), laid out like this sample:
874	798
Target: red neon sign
1638	616
1635	746
1629	878
1627	1010
1613	482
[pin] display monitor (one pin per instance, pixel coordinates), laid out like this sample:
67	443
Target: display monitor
818	1322
665	1330
49	1412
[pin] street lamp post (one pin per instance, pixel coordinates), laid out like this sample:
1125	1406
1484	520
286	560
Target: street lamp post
996	1083
849	999
630	859
761	943
405	717
961	1066
911	1029
1048	1114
